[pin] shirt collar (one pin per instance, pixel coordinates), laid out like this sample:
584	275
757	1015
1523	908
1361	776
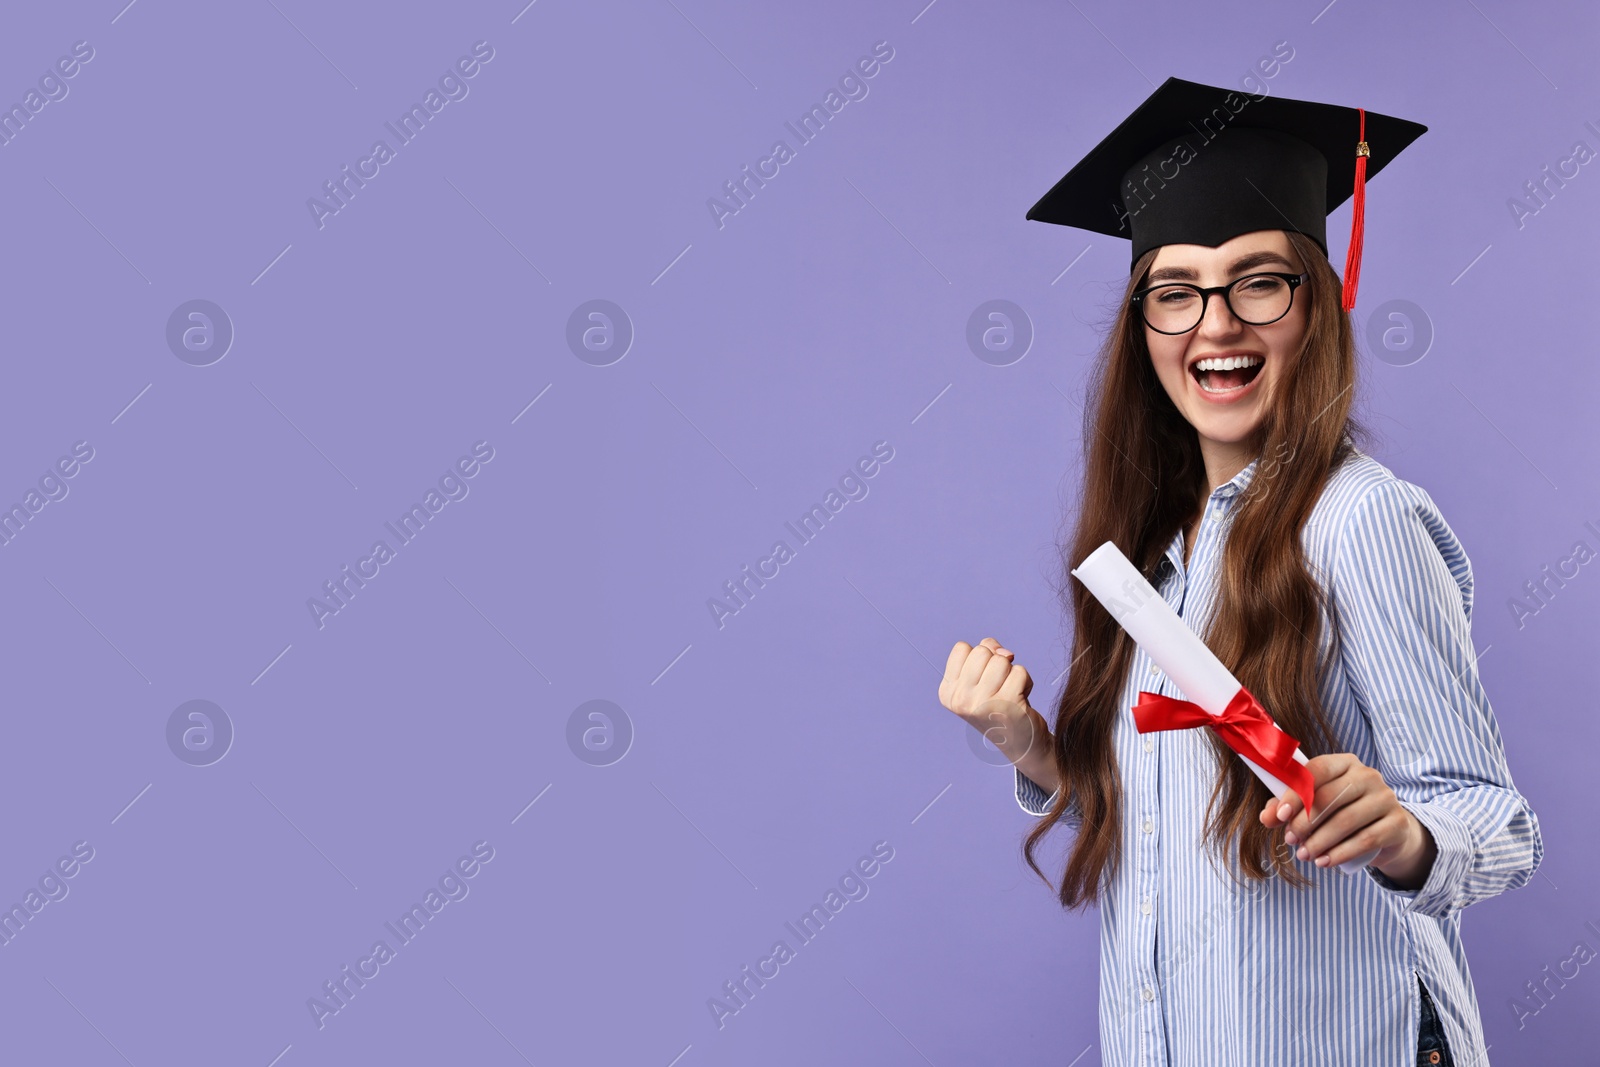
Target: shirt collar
1236	485
1223	495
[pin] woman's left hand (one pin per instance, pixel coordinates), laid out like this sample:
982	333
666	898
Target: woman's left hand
1356	812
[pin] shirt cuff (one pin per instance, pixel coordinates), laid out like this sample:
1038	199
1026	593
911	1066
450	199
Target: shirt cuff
1453	840
1030	797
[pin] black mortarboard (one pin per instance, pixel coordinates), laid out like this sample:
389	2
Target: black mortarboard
1195	164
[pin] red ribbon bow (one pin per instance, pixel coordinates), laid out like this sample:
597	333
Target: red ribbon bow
1244	726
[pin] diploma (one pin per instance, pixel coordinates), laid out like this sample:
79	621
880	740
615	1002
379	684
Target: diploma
1192	666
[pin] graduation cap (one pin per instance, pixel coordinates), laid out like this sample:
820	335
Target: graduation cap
1196	164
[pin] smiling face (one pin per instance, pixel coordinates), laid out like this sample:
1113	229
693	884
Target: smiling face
1225	401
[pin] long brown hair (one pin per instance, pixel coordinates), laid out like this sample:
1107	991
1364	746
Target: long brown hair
1144	480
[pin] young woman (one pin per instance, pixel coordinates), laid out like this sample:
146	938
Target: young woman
1221	457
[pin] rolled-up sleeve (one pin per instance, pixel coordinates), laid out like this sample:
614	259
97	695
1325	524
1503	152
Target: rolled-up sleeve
1402	589
1030	796
1032	800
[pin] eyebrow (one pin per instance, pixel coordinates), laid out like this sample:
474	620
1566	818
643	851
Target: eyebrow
1243	263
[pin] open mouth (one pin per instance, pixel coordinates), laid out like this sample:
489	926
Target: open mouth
1227	374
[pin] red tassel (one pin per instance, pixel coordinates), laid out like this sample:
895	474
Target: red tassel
1352	261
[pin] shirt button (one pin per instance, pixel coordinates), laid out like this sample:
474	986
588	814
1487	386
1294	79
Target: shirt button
1145	906
1149	994
1149	827
1149	744
1154	670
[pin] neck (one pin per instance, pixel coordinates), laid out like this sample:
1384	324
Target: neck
1225	459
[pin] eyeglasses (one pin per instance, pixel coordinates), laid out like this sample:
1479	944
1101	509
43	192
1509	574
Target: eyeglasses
1255	299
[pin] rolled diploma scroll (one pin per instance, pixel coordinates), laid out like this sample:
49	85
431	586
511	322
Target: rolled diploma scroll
1174	647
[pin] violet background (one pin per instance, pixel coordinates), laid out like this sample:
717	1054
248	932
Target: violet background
769	356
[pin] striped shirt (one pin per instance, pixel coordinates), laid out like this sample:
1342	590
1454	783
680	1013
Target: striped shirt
1197	970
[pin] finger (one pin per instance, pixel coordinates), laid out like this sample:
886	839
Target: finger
1026	680
1375	835
1269	814
1280	810
1328	799
1349	819
1330	796
1017	683
977	660
1324	771
957	657
994	673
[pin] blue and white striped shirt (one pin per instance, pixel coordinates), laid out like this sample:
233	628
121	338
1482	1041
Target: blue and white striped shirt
1197	970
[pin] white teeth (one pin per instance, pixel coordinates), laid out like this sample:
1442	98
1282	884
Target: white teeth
1227	363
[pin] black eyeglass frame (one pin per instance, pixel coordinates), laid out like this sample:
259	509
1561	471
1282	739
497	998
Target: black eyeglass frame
1294	280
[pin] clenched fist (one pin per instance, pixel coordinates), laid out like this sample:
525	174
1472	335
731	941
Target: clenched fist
983	686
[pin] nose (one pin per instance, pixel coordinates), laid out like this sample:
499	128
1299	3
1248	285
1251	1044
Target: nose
1218	319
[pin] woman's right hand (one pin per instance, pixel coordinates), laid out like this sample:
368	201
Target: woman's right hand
989	691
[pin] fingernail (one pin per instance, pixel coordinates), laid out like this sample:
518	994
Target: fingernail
1302	853
1322	861
1288	835
1283	811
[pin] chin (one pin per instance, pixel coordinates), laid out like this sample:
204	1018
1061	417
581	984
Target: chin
1228	431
